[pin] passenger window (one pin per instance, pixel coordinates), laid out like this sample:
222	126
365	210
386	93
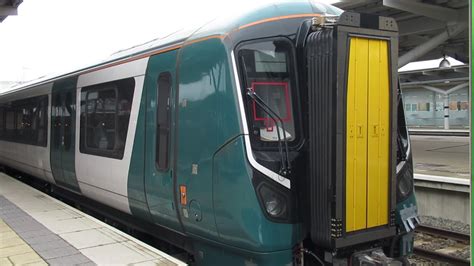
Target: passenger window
2	122
24	121
105	115
163	121
69	111
10	121
40	123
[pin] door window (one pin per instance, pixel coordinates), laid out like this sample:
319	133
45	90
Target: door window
105	115
163	121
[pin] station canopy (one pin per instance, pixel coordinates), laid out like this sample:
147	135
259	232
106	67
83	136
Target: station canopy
429	29
8	8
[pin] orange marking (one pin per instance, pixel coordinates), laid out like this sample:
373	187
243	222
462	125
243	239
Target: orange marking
137	57
182	192
132	59
204	39
278	18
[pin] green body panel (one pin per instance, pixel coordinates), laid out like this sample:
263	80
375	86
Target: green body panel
63	132
159	183
136	172
207	119
217	255
405	242
239	218
221	201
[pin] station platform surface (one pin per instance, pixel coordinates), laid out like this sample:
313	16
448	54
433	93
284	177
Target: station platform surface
439	132
446	156
36	229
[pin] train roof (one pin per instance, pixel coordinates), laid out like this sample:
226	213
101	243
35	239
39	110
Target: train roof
220	26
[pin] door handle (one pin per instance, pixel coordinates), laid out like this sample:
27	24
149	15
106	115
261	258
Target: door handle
376	130
359	131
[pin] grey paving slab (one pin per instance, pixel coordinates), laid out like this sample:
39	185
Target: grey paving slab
42	239
51	247
58	252
41	246
76	259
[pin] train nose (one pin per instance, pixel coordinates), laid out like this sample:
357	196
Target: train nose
352	93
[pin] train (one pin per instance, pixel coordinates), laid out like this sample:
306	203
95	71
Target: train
277	137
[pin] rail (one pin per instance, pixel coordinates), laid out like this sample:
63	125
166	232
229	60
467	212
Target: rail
440	256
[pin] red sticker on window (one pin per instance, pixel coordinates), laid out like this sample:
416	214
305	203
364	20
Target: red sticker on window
280	88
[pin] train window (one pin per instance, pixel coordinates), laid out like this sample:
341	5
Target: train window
25	121
40	122
105	115
56	110
163	121
2	122
9	123
68	112
267	71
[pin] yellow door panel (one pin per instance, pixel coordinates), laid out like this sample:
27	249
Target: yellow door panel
378	115
356	170
367	137
350	144
385	134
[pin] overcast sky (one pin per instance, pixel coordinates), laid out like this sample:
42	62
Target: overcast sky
50	36
53	36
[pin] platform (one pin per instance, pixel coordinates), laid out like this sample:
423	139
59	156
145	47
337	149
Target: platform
439	132
36	229
446	156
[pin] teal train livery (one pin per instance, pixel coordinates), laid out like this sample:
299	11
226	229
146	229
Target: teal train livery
274	138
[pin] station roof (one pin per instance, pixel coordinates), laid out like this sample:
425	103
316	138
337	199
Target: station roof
8	8
421	21
440	78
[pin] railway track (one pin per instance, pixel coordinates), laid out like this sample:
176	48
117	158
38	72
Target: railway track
461	240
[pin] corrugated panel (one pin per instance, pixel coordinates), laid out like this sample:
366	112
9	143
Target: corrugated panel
322	130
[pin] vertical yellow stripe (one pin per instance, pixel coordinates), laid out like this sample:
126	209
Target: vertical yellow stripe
360	179
350	141
385	133
373	136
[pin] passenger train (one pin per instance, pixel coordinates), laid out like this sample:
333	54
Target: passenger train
274	138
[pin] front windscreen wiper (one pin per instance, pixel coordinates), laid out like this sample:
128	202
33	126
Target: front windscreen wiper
285	161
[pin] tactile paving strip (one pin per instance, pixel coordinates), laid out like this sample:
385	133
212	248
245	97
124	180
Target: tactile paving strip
51	247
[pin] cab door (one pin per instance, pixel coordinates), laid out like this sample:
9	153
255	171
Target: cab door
160	84
63	132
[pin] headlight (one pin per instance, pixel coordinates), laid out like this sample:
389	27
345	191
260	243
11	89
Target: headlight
405	183
274	203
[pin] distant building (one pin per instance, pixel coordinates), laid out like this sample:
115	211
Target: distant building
436	98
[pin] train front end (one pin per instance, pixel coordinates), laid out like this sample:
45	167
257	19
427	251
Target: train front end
360	179
327	138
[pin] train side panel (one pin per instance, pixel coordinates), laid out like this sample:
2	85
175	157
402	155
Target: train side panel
31	159
63	133
106	103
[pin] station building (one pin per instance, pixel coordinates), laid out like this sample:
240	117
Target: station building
436	98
